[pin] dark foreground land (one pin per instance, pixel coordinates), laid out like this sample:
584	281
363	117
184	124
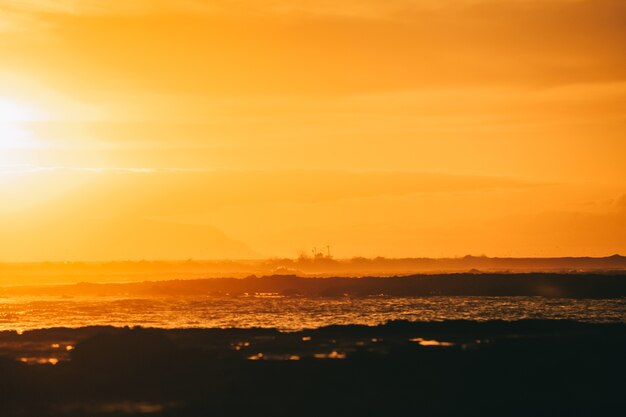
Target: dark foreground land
524	368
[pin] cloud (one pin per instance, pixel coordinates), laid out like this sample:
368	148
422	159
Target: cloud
134	213
33	169
358	8
328	47
567	232
67	193
119	213
155	192
620	202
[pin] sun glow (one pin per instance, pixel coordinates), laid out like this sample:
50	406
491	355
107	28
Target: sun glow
17	111
14	111
14	136
17	143
14	119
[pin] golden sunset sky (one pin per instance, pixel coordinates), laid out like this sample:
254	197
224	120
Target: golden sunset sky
175	129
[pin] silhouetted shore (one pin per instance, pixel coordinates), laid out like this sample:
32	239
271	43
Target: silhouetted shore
606	285
524	368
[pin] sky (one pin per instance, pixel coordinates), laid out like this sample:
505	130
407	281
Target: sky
176	129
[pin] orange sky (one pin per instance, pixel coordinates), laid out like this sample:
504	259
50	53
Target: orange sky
174	129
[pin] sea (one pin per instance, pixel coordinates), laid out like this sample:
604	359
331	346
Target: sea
290	313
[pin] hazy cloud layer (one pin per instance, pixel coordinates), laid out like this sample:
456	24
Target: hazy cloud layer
158	192
459	43
132	213
365	8
301	123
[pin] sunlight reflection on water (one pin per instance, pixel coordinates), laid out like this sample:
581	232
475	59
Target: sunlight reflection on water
291	313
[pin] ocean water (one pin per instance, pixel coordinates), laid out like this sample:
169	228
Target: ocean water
291	313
